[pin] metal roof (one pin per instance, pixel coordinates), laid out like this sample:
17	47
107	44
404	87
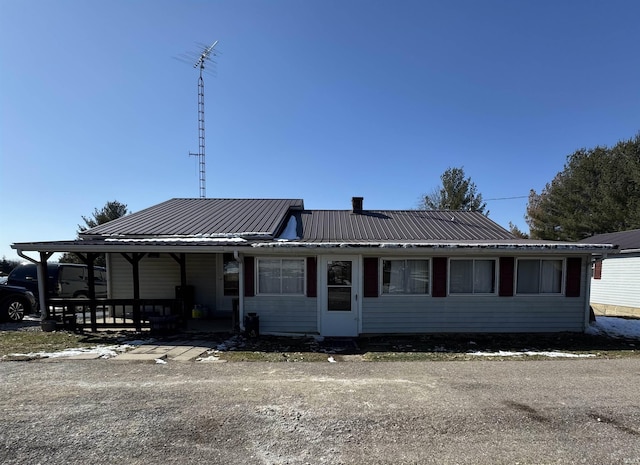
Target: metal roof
625	240
397	225
202	217
206	225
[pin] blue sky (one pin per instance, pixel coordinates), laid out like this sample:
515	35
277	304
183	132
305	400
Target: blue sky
320	100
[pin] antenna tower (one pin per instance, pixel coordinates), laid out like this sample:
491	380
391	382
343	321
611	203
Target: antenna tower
203	58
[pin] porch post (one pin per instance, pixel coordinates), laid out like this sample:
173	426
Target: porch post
43	285
182	261
135	260
89	260
241	271
183	270
185	300
587	294
91	257
136	291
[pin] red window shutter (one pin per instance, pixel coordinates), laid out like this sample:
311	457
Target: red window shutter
370	276
312	277
574	266
249	277
597	270
506	276
439	277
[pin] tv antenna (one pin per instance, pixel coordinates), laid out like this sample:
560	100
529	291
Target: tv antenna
204	57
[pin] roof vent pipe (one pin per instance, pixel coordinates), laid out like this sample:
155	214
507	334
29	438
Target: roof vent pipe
356	204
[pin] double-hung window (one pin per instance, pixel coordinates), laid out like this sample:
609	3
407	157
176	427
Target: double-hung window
538	276
472	276
405	276
281	276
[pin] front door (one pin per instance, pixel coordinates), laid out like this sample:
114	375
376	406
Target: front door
339	296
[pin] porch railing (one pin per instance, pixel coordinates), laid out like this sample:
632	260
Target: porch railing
139	314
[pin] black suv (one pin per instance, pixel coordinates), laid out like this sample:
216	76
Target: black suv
15	302
65	279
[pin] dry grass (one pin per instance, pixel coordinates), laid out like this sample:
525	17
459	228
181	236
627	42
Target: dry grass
457	347
26	342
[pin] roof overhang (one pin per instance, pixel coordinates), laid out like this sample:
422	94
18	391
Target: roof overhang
198	244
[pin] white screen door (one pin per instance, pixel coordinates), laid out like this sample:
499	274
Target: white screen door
339	296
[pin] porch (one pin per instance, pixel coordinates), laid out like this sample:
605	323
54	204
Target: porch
157	316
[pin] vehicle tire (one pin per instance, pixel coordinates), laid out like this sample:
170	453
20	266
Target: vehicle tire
13	309
81	308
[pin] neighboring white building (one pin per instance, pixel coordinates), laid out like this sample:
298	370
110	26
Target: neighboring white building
615	283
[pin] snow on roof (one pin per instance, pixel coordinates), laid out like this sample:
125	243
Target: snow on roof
177	239
515	245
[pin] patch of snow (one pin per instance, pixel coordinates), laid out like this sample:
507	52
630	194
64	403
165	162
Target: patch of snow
504	353
615	327
101	351
437	245
230	344
210	358
182	239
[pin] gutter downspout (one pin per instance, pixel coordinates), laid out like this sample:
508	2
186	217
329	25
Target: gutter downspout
238	258
44	311
587	290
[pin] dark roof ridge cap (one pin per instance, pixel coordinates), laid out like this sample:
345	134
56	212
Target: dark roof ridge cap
391	210
231	198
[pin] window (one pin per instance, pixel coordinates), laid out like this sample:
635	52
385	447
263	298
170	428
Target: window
339	286
281	276
405	276
539	276
24	272
472	277
230	275
100	276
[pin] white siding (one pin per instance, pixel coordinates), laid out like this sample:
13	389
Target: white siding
384	314
160	276
620	283
285	314
472	314
201	274
426	314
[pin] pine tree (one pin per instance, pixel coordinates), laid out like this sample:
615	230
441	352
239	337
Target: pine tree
111	211
598	191
456	193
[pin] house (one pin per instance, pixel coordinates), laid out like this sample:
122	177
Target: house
341	272
615	284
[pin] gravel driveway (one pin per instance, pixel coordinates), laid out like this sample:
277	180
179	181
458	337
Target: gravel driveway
104	412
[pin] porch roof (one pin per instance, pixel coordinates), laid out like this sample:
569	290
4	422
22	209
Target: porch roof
191	245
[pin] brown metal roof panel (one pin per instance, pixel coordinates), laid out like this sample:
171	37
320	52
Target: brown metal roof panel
202	217
341	225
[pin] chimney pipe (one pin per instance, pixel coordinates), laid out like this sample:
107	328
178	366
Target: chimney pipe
356	204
